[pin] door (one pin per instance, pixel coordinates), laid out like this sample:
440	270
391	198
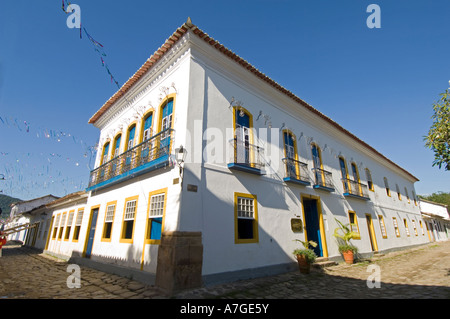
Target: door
242	146
312	225
373	241
91	234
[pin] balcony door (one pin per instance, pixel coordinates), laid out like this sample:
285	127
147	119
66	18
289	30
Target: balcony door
242	146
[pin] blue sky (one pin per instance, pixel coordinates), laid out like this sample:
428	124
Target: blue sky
377	83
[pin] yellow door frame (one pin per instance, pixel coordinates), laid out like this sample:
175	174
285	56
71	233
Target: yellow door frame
321	223
372	231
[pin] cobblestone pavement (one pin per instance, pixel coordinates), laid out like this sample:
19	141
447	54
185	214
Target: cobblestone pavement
422	272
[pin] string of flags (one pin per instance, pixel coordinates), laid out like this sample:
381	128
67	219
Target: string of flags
98	47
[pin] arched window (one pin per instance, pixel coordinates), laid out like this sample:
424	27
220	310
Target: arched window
369	179
344	174
165	124
399	195
290	152
386	185
317	163
147	127
130	137
243	124
105	153
116	150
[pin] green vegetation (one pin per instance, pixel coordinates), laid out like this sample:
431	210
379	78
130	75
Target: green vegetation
5	202
439	197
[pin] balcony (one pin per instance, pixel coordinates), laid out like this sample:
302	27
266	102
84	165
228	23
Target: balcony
323	180
296	172
355	189
246	157
150	155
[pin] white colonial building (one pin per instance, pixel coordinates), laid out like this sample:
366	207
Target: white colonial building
436	218
263	168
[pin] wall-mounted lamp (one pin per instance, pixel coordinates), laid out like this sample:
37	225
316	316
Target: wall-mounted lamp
180	156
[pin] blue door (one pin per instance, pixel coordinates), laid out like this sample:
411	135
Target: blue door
90	242
312	224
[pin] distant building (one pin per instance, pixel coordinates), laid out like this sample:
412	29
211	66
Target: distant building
263	168
436	218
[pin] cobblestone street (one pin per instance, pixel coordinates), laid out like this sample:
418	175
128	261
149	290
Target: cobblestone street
422	272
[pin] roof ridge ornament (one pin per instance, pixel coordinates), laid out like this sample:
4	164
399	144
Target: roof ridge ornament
189	22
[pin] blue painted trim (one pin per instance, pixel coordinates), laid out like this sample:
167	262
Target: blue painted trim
147	167
356	196
328	189
244	168
296	181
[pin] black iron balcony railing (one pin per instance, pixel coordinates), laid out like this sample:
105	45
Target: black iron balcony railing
150	154
323	179
296	171
246	157
355	189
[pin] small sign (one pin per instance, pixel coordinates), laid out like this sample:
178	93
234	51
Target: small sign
192	188
296	225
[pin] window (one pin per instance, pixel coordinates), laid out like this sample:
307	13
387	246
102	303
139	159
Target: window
290	152
147	127
130	139
414	227
61	226
354	223
414	197
55	229
117	145
109	219
407	195
166	120
242	146
344	173
317	162
406	227
382	226
386	185
398	192
156	211
128	219
421	227
105	152
69	225
76	233
397	231
245	218
369	179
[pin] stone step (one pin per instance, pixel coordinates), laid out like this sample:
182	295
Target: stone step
324	262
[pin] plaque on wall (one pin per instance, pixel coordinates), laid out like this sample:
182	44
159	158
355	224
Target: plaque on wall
296	225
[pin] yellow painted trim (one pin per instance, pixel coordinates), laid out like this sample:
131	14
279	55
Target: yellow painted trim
386	185
399	195
103	239
405	223
49	235
294	138
120	133
103	151
55	230
68	227
61	228
356	222
76	217
321	223
130	126
153	241
346	173
86	239
396	229
250	121
255	238
371	179
128	240
142	122
319	152
372	232
165	101
381	221
357	176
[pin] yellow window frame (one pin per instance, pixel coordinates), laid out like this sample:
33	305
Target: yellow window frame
123	229
352	213
255	238
105	239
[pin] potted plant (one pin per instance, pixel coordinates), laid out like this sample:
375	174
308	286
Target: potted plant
347	250
305	256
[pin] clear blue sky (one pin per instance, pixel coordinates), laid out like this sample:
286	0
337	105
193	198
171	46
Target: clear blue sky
377	83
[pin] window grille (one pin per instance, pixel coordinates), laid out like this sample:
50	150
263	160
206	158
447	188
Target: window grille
130	210
245	208
110	213
156	205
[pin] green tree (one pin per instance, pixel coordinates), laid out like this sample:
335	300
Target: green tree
439	197
438	138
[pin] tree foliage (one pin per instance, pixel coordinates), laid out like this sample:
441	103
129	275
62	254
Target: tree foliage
439	197
438	138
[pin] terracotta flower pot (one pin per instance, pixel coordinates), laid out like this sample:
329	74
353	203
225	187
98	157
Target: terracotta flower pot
348	256
303	265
